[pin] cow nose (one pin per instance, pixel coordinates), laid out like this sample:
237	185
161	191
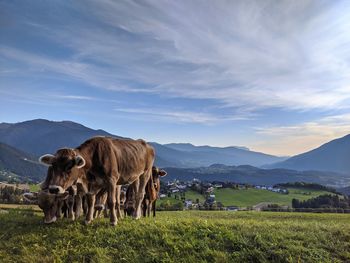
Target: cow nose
54	190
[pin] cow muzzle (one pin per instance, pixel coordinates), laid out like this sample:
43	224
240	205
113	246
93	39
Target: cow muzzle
50	221
55	189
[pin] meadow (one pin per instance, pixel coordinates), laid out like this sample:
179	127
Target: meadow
252	196
183	236
249	197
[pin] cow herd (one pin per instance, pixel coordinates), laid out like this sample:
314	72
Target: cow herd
101	173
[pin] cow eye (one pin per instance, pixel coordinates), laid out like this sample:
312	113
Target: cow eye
70	165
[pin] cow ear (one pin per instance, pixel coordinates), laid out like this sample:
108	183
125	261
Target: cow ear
162	173
62	196
80	161
31	197
47	159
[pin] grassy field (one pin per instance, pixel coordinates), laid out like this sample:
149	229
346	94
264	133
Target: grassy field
251	196
18	206
34	187
192	195
191	236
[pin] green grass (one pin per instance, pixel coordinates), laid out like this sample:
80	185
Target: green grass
192	195
34	187
251	196
191	236
170	200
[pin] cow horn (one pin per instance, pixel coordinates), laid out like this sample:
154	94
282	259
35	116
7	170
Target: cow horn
47	159
79	161
162	173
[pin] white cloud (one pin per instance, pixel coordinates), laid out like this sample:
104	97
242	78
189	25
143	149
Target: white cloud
248	54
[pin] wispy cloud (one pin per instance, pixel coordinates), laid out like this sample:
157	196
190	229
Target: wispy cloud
74	97
203	62
243	54
178	116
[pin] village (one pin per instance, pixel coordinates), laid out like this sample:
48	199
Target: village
179	190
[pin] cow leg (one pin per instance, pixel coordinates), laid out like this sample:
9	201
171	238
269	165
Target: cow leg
135	190
78	205
117	204
85	206
144	207
140	191
59	209
154	208
71	208
65	209
112	189
105	212
95	214
91	198
149	208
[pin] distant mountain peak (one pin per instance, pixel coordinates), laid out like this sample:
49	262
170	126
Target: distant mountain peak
331	156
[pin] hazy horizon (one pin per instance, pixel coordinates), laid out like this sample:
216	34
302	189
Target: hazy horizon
273	76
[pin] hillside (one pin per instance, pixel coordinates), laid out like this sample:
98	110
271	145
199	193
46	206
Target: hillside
22	164
251	197
196	156
38	137
254	175
179	237
331	156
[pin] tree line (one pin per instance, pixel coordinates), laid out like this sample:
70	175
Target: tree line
10	194
323	201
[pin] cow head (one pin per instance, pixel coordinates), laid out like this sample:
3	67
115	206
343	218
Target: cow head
156	174
48	202
64	169
153	185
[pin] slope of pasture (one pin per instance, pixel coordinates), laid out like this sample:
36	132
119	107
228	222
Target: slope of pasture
251	196
191	236
192	195
189	195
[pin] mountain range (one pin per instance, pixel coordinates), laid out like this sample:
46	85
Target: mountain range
331	156
40	136
186	155
256	176
22	143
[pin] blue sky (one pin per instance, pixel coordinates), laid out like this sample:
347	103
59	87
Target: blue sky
270	75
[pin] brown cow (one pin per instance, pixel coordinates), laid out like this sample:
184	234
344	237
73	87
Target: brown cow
106	162
152	191
101	200
51	204
151	195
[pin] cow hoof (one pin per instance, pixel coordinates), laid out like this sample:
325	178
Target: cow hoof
87	222
113	223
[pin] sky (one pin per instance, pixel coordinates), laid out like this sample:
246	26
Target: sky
273	76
